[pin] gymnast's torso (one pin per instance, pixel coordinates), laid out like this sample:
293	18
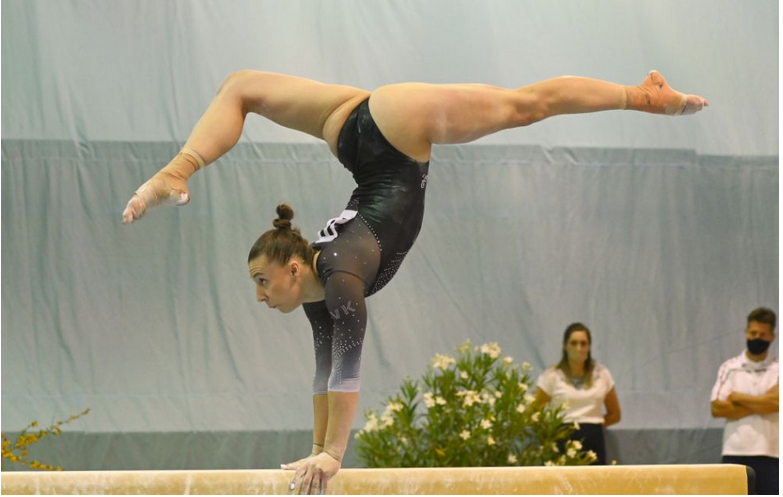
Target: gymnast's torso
362	248
387	204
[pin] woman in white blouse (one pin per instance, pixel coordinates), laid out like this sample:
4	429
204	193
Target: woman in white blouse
585	387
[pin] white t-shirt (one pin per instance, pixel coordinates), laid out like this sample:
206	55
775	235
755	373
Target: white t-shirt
583	405
757	434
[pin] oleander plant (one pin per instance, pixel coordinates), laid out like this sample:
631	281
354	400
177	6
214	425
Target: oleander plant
475	409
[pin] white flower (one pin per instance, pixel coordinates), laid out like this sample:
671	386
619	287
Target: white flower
498	393
428	401
490	440
576	427
492	401
440	401
463	375
508	359
529	398
465	347
470	398
442	361
577	444
372	423
523	387
592	455
571	452
465	435
526	366
549	463
565	405
512	459
492	349
387	420
521	408
534	418
555	448
486	424
394	407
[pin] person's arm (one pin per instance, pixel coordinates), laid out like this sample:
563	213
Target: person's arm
542	398
729	410
320	422
720	407
322	327
342	406
766	403
612	404
346	305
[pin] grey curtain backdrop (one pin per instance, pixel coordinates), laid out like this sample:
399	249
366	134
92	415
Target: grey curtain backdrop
660	234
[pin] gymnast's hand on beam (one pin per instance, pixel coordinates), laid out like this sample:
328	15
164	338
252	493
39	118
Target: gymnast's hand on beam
313	475
295	465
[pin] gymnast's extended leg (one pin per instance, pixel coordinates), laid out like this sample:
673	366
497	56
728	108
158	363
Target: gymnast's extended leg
293	102
414	116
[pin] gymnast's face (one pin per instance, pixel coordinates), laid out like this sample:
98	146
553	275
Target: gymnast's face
578	346
279	285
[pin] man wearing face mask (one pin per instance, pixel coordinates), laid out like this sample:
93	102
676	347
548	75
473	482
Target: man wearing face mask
746	394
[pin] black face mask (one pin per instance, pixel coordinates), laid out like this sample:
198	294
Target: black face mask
758	346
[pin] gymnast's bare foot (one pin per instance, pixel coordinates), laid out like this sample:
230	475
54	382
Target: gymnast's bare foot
656	96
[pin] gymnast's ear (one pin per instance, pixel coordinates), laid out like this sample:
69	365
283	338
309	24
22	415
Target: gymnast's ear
295	267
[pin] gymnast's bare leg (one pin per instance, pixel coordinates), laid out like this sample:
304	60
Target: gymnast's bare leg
297	103
412	116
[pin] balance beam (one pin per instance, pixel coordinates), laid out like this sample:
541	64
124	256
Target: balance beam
663	479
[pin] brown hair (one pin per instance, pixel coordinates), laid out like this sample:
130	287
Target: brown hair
282	242
589	362
763	315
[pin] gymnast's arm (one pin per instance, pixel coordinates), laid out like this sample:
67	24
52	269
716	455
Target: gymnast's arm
323	327
348	313
347	307
336	384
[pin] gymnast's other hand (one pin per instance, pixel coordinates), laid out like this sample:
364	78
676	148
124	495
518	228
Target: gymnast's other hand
312	477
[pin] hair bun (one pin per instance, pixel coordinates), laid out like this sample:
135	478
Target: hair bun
284	215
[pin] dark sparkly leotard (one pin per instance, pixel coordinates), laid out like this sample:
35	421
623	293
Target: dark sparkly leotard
363	247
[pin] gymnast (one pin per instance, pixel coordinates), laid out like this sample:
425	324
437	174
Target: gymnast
384	138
